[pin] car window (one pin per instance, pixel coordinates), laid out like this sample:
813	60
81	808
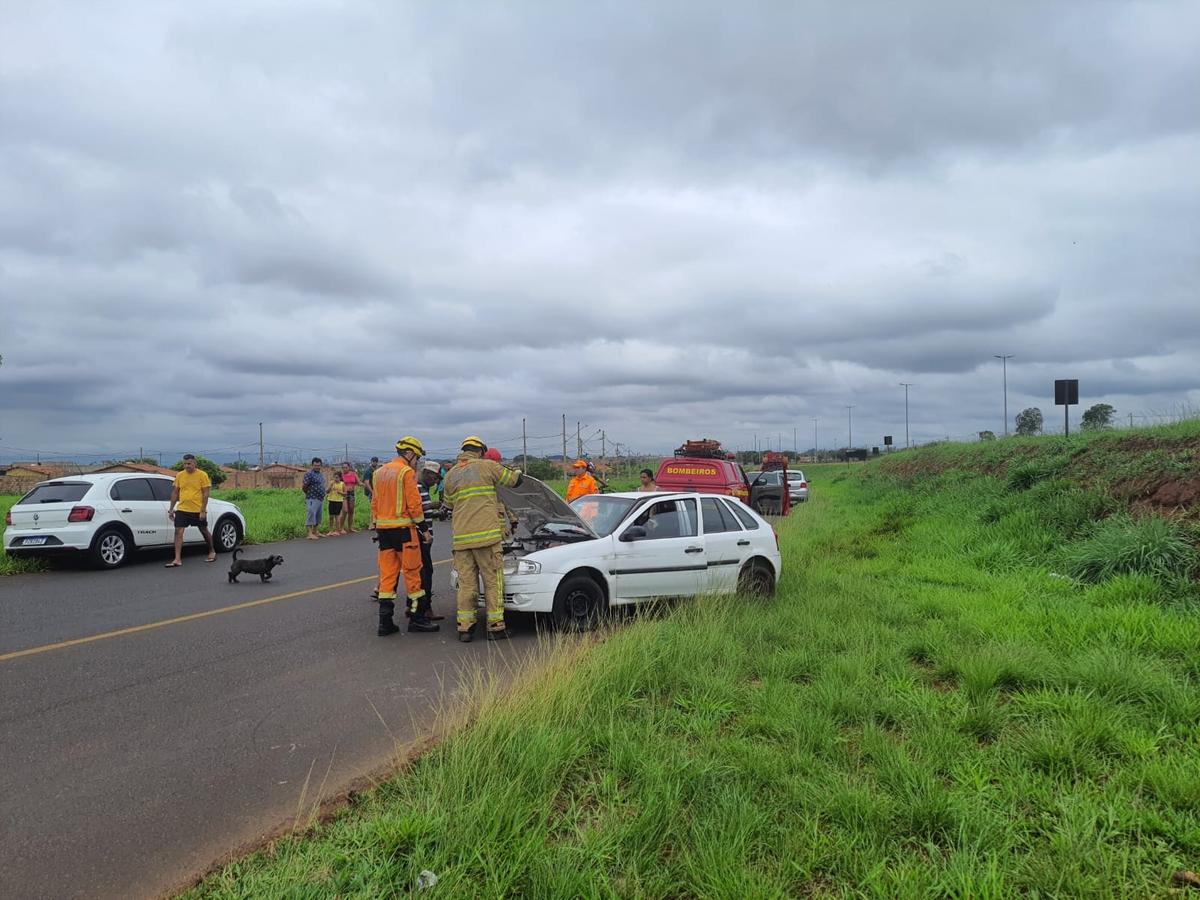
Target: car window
745	477
162	488
669	519
744	516
130	489
57	492
716	519
796	476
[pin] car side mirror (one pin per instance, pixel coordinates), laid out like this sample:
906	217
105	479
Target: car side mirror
633	533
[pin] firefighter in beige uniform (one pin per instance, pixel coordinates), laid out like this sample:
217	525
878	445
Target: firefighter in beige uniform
470	490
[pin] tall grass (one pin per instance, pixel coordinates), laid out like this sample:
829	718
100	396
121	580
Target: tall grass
898	722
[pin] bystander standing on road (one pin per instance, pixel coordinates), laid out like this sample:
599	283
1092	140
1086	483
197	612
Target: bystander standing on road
337	505
314	496
189	506
367	474
350	479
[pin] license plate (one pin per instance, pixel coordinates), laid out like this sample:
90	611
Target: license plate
33	542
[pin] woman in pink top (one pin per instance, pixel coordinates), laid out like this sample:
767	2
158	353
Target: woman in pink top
350	479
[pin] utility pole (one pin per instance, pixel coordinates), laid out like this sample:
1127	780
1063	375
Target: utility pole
1004	361
816	456
564	456
260	446
795	446
347	456
907	385
603	445
578	441
524	448
850	427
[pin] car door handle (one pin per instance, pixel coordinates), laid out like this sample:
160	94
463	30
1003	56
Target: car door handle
127	509
743	543
694	550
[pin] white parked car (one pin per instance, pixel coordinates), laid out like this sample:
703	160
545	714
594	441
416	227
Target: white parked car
604	550
108	516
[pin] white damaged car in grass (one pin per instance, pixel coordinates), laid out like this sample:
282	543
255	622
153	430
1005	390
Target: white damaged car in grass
576	561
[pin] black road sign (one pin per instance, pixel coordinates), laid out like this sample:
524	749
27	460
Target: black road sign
1066	392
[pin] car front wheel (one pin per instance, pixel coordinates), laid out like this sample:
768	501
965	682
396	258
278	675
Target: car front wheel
578	604
227	535
110	549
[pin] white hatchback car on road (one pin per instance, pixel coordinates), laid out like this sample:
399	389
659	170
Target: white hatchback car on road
108	516
574	561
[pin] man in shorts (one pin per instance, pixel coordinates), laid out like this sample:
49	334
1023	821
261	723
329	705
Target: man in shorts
189	506
314	497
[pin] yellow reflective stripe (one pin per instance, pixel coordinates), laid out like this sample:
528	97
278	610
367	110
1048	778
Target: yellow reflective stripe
481	491
394	523
509	476
477	536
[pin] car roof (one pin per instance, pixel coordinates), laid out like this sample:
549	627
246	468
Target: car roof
633	495
101	477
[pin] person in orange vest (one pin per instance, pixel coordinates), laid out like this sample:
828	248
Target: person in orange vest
583	483
399	519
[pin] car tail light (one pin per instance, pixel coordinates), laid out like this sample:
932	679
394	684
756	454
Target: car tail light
8	518
81	514
804	484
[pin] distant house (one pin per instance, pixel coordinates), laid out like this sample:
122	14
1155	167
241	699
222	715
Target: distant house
18	478
144	468
282	475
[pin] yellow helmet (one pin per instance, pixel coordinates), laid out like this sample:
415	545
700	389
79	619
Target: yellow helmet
410	443
474	443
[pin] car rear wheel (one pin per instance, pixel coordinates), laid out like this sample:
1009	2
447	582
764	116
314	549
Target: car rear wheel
756	580
578	604
227	535
110	549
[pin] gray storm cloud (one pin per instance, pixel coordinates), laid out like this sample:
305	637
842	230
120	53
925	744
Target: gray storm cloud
355	220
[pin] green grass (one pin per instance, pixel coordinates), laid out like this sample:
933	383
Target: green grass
927	709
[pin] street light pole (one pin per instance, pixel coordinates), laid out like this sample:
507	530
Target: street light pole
1004	361
907	385
850	427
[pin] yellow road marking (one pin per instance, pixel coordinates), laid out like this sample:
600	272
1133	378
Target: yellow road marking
121	632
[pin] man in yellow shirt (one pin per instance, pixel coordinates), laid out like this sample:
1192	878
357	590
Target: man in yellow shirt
189	506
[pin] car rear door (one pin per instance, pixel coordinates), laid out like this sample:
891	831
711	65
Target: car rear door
669	561
141	510
725	545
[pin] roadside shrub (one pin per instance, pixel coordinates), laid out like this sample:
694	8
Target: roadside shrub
1067	509
1122	546
1026	475
238	496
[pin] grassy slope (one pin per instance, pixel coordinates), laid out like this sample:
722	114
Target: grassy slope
917	713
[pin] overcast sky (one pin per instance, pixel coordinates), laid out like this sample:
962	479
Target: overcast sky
351	220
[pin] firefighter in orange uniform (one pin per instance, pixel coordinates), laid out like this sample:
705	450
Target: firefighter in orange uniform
583	483
399	519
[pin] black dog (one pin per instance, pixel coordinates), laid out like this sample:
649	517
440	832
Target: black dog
260	567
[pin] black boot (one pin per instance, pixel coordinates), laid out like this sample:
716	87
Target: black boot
500	634
467	636
386	626
420	623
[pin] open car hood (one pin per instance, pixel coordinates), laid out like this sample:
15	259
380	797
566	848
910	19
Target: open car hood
540	509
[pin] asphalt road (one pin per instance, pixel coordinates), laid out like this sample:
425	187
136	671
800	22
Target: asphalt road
153	720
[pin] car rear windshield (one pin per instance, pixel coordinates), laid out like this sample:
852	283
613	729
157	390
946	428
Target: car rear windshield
57	492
